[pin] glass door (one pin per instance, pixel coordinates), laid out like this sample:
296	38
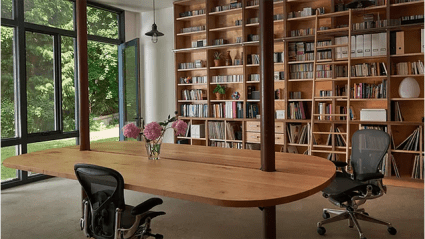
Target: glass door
129	84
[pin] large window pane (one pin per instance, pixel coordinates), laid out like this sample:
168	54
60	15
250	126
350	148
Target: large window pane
7	173
6	9
102	23
52	13
40	83
68	88
7	84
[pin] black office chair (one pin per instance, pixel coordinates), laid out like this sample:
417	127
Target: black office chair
105	214
349	191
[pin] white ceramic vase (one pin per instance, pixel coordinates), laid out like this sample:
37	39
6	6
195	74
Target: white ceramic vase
409	88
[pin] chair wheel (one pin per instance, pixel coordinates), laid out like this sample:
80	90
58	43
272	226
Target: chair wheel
392	230
321	230
326	215
363	238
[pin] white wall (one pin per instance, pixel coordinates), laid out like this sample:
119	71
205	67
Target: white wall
157	64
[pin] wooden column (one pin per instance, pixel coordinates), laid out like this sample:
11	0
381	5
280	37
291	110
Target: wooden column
267	107
267	86
83	75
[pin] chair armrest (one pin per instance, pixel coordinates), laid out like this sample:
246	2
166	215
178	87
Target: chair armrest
146	206
339	164
151	215
369	176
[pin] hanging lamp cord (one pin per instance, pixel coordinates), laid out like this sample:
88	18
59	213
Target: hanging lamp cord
153	11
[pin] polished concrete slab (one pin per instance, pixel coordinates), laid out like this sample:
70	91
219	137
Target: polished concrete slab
52	209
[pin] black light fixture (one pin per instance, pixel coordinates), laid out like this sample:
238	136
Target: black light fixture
154	33
360	4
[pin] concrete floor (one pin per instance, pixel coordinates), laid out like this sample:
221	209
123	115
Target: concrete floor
51	209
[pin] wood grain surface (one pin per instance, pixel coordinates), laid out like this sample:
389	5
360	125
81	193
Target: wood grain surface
216	176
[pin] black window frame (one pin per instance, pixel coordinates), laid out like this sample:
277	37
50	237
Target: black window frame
20	28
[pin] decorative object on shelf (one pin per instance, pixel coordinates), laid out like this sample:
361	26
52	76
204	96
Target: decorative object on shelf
153	133
219	91
154	33
217	58
409	88
340	6
228	61
236	95
360	4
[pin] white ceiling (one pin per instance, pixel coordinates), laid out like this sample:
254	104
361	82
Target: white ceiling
137	5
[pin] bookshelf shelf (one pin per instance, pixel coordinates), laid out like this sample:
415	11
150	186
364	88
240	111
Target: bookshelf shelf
227	12
191	17
300	76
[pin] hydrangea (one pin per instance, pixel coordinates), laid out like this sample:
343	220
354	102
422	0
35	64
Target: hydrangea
152	131
131	131
180	127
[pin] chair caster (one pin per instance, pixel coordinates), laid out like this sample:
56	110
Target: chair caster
326	215
392	230
321	230
363	238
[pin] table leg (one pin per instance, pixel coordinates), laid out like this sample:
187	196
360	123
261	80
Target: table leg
269	222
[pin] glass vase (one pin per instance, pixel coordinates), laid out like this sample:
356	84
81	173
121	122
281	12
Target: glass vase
153	148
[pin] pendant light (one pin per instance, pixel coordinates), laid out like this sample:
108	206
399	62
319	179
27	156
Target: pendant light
154	33
360	4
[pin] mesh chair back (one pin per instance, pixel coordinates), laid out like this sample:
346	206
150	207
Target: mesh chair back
105	192
368	149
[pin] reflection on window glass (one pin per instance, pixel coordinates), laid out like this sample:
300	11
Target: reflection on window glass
52	13
130	98
102	23
7	84
6	8
68	89
40	82
7	173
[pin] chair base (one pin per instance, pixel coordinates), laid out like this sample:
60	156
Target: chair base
352	216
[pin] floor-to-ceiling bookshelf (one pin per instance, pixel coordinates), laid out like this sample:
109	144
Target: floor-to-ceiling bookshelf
301	80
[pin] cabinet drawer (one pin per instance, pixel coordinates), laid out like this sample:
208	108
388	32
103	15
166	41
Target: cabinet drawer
278	127
253	137
278	138
253	126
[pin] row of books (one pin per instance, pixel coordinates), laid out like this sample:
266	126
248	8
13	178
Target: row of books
278	75
193	80
339	138
191	65
193	29
192	13
252	110
370	22
196	94
325	93
295	95
362	45
233	5
411	143
216	130
230	110
369	69
220	42
302	32
253	59
199	43
233	131
194	110
322	109
297	110
409	68
302	51
387	162
232	145
397	112
253	37
278	57
418	167
369	91
307	11
298	134
228	78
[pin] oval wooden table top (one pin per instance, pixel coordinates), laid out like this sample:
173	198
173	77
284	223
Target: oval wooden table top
217	176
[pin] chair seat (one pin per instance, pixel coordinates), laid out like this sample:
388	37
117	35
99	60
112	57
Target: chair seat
343	187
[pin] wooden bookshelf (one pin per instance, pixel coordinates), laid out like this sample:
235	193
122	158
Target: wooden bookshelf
238	28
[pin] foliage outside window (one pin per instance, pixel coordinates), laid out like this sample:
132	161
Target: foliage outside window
52	13
102	23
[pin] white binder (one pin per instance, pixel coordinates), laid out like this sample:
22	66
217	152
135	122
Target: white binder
359	46
375	44
353	46
422	40
338	49
367	43
382	43
344	54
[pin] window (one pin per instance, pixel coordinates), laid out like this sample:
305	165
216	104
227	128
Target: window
38	76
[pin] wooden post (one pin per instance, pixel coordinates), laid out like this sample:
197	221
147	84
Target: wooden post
267	86
83	75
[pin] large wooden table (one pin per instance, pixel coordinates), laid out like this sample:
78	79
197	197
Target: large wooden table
216	176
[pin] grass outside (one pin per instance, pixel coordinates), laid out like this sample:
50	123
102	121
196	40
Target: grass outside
6	152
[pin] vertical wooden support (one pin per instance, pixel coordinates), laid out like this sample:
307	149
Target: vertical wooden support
269	222
83	77
267	86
